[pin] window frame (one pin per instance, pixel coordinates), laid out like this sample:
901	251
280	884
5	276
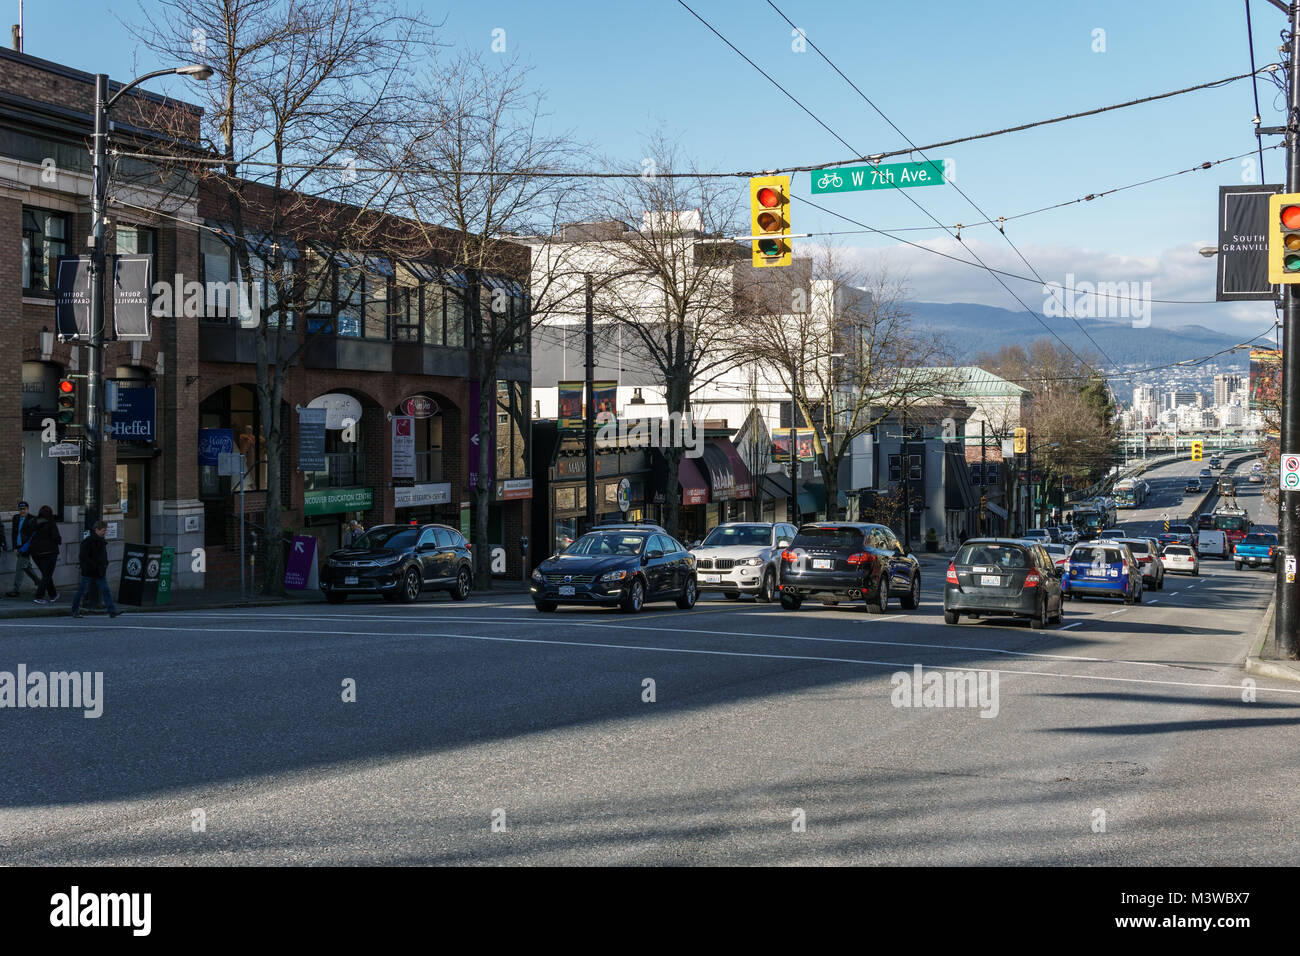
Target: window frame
51	277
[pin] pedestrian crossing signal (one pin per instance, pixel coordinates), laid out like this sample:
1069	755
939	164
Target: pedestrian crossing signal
1198	449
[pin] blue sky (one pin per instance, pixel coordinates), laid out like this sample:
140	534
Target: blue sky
939	70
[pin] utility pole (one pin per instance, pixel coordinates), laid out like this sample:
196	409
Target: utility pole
906	475
1029	480
1287	616
984	475
793	506
91	498
590	392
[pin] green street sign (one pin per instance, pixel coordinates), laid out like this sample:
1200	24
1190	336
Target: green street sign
336	500
884	176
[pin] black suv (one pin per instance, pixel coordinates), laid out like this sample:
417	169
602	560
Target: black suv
617	567
399	561
844	561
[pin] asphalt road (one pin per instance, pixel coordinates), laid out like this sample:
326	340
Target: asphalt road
1119	737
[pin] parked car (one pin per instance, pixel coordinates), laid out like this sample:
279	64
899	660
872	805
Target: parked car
1181	558
847	561
1147	552
1212	541
1002	577
400	562
1255	550
742	557
617	567
1102	569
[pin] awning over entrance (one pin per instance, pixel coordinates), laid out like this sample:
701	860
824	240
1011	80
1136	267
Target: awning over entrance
717	468
776	486
743	481
691	485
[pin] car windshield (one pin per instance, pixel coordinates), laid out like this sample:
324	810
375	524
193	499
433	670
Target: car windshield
829	538
1230	523
607	542
397	538
726	536
1002	555
1095	555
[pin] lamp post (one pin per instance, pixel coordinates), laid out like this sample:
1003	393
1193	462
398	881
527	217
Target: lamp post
93	496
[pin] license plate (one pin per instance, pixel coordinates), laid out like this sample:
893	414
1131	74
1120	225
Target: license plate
710	578
823	563
566	590
351	580
990	580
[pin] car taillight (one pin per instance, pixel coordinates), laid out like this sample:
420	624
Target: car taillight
1270	551
1144	560
788	555
952	574
862	557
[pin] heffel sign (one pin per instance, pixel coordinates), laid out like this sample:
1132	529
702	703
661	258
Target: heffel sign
884	176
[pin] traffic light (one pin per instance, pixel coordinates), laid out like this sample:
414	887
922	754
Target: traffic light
1197	449
1284	238
1022	441
66	401
769	217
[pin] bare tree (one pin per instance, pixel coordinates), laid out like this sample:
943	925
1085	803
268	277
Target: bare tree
301	89
849	350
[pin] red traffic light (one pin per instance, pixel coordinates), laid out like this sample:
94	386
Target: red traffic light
769	197
1291	217
66	387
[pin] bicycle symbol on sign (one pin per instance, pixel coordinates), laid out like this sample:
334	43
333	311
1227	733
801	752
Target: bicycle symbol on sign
830	179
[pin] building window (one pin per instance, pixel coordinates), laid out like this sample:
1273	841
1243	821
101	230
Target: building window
455	319
45	238
218	273
434	313
376	306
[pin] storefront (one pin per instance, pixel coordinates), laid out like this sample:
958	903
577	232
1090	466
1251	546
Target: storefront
696	515
327	510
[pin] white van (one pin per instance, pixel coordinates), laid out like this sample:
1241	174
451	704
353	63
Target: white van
1211	541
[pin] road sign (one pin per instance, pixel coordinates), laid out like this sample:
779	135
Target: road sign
883	176
1290	569
65	449
1290	473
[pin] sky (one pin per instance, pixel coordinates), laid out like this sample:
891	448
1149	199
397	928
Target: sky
614	72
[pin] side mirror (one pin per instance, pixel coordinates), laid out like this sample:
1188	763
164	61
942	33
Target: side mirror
783	543
429	546
651	555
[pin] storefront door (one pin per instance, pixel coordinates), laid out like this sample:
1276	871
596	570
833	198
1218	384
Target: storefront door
133	497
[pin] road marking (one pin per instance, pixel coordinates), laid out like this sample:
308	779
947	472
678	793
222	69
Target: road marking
1154	601
1068	626
892	665
1120	611
1174	593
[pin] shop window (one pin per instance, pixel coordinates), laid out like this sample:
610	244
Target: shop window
512	429
237	409
45	238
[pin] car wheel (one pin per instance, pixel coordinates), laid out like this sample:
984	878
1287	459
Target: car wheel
461	591
768	592
790	602
912	599
1160	583
951	617
731	595
1196	573
634	598
334	597
1237	565
1039	620
690	595
410	586
546	607
880	604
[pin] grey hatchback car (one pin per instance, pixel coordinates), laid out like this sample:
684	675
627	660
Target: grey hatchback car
1002	577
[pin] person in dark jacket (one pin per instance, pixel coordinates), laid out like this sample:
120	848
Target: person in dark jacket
46	542
94	570
21	535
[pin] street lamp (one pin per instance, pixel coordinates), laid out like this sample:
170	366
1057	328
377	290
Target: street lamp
93	496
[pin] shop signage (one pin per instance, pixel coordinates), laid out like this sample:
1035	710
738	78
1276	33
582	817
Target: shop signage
132	284
403	446
133	415
514	488
330	501
214	442
429	493
624	494
300	572
312	423
339	408
141	566
72	296
420	406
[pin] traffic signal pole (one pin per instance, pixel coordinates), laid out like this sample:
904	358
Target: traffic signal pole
91	498
1288	588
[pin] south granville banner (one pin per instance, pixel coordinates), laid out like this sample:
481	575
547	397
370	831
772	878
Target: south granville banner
132	283
72	296
1243	244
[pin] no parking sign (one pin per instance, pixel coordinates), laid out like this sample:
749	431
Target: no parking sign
1290	474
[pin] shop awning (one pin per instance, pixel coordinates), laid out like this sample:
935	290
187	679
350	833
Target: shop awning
958	492
692	487
776	486
717	468
742	480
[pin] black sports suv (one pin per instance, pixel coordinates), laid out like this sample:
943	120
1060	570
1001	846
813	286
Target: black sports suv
399	561
847	561
623	567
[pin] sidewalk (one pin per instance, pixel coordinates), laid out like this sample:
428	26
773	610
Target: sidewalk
1259	663
204	599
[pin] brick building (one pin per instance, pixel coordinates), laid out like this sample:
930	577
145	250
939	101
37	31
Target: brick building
392	341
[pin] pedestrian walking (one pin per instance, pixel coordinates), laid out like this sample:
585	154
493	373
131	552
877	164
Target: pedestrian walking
21	529
94	570
46	542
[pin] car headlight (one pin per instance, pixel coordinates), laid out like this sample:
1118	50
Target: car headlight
609	576
537	575
752	562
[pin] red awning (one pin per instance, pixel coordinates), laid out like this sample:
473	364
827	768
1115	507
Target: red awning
744	483
695	491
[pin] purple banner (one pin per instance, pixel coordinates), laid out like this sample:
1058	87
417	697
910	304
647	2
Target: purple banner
300	573
474	439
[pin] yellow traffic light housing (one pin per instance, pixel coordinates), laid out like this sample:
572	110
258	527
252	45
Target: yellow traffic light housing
1198	449
1021	441
769	217
1284	238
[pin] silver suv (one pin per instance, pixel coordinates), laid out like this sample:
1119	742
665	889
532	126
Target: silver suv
742	557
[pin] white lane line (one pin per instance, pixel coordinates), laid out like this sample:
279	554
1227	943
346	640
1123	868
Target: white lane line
1154	601
1120	611
892	665
1174	593
1066	627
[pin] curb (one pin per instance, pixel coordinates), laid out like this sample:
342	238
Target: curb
1254	664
